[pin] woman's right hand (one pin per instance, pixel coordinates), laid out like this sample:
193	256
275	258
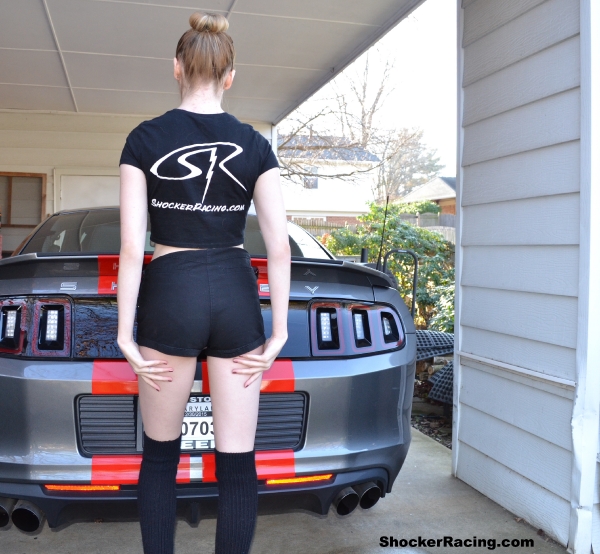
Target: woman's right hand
148	370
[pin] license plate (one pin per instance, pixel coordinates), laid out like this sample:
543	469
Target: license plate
197	427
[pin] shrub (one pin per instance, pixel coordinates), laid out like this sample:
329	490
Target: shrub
435	284
423	207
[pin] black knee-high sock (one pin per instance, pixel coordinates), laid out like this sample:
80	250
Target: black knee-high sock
156	494
238	501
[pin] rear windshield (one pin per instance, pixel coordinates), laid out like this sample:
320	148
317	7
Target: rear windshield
98	232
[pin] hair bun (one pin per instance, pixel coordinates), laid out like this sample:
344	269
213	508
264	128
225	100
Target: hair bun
209	22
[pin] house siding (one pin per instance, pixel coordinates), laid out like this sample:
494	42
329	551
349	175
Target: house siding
447	206
519	255
335	198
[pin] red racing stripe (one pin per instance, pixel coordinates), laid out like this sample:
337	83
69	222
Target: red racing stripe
125	470
278	378
113	377
270	464
108	269
263	276
205	383
208	468
117	377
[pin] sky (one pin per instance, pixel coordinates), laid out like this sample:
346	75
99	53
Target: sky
423	82
425	70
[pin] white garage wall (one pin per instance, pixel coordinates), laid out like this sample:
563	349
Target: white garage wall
519	255
40	142
81	190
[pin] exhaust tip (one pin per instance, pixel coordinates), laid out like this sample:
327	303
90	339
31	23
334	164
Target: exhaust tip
369	494
346	501
27	517
6	507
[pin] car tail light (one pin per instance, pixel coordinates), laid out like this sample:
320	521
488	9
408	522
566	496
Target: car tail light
328	331
35	326
353	329
391	333
51	335
362	331
10	339
51	327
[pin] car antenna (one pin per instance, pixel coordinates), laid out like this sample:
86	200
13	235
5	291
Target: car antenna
382	232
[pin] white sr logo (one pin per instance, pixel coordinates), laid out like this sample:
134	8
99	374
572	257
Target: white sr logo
187	151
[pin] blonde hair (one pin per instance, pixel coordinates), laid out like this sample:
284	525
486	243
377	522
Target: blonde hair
206	51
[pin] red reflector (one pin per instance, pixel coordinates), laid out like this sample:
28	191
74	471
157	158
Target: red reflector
86	488
305	479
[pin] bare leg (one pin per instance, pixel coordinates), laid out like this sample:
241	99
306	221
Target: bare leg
235	412
162	411
235	407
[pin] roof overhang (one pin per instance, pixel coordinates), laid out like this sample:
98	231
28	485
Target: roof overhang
436	189
115	56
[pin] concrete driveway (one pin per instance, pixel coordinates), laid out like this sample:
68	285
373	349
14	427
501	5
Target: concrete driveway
427	502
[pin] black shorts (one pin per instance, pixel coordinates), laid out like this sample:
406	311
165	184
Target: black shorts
195	299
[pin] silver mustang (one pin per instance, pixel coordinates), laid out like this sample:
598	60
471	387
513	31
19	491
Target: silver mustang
334	418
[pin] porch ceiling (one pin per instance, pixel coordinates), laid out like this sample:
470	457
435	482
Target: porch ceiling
115	56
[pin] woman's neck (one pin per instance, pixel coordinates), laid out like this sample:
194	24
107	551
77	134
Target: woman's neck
203	99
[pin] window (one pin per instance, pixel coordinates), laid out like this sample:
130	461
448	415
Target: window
311	181
21	199
98	231
92	231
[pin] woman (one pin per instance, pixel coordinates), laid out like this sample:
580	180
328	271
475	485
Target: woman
195	169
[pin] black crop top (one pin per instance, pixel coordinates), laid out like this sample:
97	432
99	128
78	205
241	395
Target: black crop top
200	173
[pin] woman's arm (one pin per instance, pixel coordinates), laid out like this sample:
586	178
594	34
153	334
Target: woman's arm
270	210
134	206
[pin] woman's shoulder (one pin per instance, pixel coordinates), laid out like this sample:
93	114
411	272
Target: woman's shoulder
243	127
152	132
144	139
157	122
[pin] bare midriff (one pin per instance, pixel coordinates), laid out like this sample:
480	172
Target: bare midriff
162	249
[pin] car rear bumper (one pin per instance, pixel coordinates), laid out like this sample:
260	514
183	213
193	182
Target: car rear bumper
195	501
357	427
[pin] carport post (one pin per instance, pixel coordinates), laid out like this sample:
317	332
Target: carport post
458	250
585	419
274	138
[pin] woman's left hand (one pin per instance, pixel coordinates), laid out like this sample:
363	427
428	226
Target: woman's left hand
257	363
